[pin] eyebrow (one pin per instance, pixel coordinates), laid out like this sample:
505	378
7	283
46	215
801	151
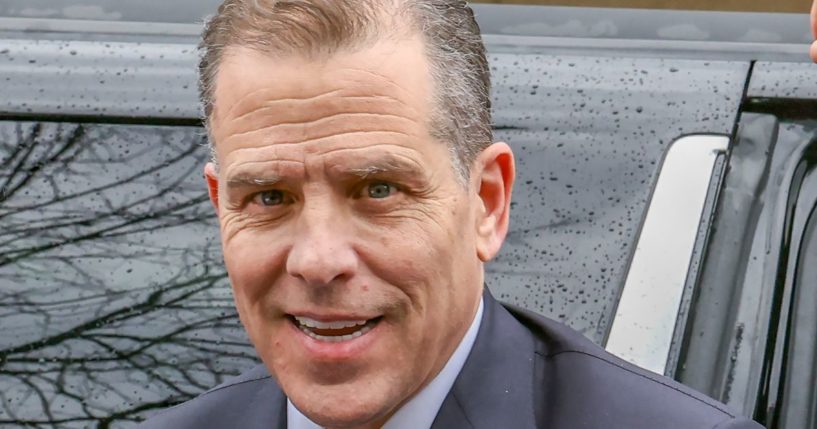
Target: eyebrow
363	169
244	181
380	166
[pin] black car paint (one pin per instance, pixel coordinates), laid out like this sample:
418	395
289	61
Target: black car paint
736	339
588	121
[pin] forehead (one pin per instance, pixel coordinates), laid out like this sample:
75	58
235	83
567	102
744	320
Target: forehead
390	76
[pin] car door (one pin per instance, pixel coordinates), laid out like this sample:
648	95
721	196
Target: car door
750	337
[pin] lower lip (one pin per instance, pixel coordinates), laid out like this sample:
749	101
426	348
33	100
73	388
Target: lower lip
333	351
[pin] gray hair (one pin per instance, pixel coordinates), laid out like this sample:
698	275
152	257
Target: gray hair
461	115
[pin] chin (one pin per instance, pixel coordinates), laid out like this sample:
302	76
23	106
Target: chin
352	405
339	413
342	420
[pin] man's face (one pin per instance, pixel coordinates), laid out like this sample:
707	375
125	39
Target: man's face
350	243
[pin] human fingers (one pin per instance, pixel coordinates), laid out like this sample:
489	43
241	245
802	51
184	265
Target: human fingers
813	50
814	18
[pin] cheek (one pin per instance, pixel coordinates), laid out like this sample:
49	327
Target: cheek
420	252
408	250
253	263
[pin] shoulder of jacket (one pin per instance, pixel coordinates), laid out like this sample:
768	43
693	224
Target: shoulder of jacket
589	365
256	373
210	404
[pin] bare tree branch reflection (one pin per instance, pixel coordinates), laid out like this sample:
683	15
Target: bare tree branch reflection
113	298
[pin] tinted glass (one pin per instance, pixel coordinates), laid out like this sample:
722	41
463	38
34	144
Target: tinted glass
798	401
799	398
113	298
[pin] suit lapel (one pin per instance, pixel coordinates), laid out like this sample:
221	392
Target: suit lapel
266	409
281	421
495	387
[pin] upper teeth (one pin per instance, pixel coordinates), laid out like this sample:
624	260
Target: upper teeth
311	323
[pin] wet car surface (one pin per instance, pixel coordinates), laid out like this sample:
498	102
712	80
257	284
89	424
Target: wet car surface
114	301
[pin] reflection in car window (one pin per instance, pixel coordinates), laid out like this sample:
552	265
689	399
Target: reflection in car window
794	365
113	298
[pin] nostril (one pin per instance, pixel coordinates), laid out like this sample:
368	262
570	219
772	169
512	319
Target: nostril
321	265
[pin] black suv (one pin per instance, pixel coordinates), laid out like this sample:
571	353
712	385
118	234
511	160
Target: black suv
666	204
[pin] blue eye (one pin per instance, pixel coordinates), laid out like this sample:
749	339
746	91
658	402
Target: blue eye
380	190
270	198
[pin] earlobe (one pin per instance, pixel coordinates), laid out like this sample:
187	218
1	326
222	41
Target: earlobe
211	176
496	172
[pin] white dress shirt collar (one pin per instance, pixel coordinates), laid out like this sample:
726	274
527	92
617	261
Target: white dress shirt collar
421	410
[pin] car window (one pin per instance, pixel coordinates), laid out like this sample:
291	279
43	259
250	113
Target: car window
738	338
113	297
798	408
790	399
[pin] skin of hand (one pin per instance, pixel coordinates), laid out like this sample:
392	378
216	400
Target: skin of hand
813	50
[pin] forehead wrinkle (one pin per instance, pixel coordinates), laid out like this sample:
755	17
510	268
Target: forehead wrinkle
234	58
384	79
300	117
264	158
346	104
251	96
294	153
296	111
338	124
295	96
243	165
328	138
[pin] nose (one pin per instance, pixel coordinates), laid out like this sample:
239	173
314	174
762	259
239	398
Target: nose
322	253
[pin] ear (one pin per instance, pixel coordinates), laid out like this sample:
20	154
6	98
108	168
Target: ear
493	176
211	176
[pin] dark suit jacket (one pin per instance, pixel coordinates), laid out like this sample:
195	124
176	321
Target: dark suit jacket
524	371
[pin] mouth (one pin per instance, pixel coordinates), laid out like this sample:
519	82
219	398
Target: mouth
334	331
